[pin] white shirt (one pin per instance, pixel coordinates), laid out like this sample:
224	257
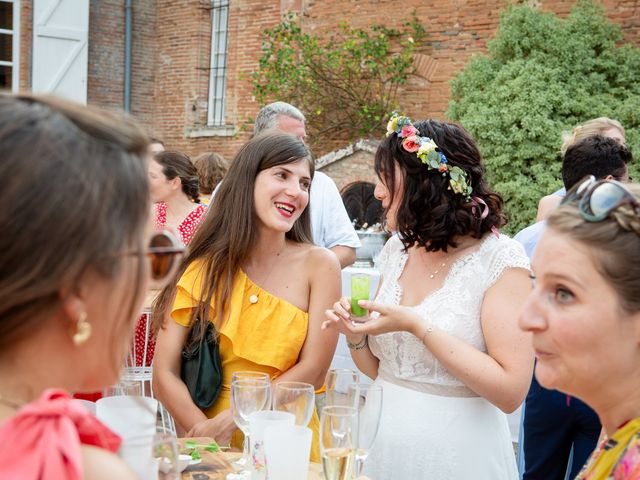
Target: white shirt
530	236
330	224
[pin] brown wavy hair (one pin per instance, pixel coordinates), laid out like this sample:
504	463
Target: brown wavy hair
227	236
430	214
76	196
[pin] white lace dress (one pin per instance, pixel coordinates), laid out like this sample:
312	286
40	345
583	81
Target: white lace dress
432	425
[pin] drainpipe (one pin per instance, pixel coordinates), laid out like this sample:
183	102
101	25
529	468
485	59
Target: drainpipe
128	16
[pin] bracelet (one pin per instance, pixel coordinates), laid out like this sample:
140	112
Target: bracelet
360	345
427	332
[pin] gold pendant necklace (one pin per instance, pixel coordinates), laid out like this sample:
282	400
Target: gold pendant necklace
253	298
435	272
11	403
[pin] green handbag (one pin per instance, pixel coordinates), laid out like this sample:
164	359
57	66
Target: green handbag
201	369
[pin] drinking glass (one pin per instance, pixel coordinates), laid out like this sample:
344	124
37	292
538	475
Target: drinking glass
360	286
338	441
165	450
297	398
248	395
369	404
337	382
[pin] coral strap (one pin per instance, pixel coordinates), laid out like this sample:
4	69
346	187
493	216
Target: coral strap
42	441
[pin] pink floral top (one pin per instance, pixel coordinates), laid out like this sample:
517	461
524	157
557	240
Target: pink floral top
617	457
186	229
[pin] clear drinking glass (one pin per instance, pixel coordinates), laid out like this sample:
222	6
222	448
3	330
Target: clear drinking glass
297	398
369	404
165	450
338	441
337	382
248	395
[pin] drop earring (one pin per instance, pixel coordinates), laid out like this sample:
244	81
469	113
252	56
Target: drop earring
83	330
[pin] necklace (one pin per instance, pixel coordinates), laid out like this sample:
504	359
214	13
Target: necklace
253	298
435	272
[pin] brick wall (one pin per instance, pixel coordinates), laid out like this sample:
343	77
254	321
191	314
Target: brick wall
171	51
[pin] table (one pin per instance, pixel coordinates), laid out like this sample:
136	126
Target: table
216	466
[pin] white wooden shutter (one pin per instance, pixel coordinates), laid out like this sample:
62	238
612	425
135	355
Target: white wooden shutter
60	50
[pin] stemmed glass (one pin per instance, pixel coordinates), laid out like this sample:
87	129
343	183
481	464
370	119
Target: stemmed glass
369	404
250	392
338	441
337	382
297	398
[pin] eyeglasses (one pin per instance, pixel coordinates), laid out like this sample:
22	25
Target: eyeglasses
164	253
598	198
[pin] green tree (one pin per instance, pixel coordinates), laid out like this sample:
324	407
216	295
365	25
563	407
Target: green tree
345	80
542	76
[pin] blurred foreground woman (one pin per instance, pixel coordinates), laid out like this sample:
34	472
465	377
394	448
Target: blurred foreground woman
74	269
584	313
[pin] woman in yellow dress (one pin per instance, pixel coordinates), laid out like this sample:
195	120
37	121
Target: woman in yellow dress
253	271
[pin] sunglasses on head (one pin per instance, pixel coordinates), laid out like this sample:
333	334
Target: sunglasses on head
598	198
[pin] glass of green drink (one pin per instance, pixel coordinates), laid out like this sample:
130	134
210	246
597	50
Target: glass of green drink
360	285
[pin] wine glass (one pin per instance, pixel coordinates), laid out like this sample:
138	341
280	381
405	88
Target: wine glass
338	441
369	404
297	398
248	395
337	382
259	377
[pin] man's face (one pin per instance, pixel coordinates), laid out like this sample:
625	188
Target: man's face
292	126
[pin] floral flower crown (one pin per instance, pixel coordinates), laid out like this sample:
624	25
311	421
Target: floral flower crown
429	153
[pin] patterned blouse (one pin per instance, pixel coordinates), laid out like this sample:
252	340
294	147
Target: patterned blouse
617	457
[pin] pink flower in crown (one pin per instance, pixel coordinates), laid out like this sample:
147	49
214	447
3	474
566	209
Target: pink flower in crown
411	143
443	167
408	130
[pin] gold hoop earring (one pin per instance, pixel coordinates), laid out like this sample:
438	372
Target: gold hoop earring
83	330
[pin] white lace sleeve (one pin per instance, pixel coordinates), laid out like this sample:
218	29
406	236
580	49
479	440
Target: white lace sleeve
505	253
385	261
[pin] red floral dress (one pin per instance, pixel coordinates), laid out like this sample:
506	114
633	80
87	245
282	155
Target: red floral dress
185	231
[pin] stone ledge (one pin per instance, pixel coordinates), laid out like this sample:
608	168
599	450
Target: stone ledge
369	146
217	131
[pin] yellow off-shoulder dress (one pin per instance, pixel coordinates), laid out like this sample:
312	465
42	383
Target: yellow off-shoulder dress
265	336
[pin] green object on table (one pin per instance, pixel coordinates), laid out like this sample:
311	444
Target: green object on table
360	285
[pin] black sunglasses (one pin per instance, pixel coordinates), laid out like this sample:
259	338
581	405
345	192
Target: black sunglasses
598	198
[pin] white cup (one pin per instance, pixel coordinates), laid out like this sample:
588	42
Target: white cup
136	453
258	422
287	450
128	416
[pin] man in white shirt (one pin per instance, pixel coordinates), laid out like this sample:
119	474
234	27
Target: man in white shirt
330	224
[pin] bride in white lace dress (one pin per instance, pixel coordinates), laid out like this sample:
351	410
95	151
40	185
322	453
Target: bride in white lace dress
442	338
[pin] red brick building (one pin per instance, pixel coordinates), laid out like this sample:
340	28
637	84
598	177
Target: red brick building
198	101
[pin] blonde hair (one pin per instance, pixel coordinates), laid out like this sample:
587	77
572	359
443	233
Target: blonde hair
613	243
596	126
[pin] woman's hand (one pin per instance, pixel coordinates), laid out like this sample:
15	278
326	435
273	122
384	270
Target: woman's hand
220	428
390	318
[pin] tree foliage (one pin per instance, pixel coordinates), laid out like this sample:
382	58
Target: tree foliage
542	76
345	80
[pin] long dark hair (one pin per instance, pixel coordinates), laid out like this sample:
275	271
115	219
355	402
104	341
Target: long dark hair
76	196
431	215
228	233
